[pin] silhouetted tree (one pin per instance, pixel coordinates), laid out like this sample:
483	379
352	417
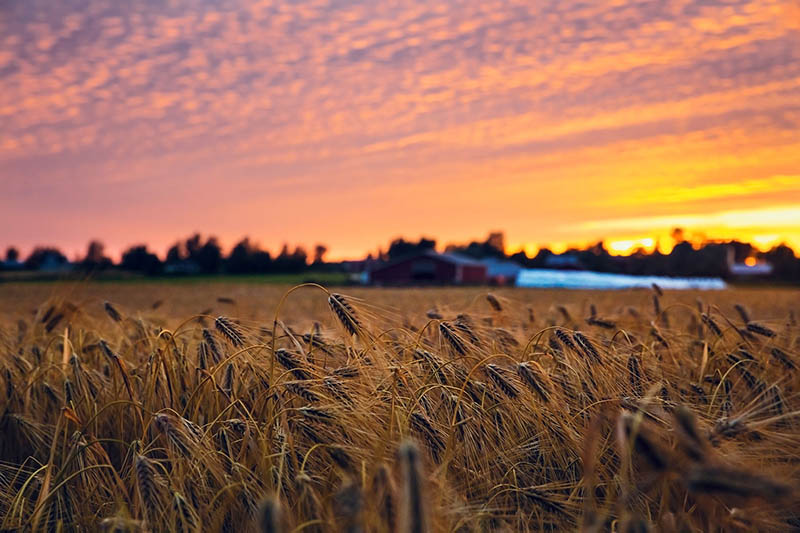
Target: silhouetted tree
246	258
497	241
741	250
401	247
540	259
319	254
198	255
300	256
238	261
521	258
193	255
291	262
261	261
12	254
176	253
95	258
283	261
45	257
139	259
679	260
208	257
786	266
596	257
193	245
493	246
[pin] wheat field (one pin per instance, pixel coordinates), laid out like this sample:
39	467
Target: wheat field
246	407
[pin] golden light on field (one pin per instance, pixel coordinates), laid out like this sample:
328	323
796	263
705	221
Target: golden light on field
560	123
503	409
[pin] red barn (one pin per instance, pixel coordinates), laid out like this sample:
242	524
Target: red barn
430	268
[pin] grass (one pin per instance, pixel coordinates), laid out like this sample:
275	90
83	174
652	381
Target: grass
225	405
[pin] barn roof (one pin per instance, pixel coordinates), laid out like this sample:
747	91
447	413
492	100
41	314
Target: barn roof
455	259
498	267
458	259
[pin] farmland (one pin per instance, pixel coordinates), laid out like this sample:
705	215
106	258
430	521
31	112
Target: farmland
151	406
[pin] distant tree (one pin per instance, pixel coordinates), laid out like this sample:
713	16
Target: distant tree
711	260
786	266
679	261
319	254
291	262
598	248
238	261
284	260
540	259
247	258
45	257
139	259
176	253
741	250
493	246
597	258
300	256
497	241
12	254
208	256
426	244
95	258
193	245
401	247
521	258
193	255
260	261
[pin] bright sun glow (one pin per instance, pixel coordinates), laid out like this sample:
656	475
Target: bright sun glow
443	119
624	247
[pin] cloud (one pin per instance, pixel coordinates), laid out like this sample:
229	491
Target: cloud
781	217
780	186
247	93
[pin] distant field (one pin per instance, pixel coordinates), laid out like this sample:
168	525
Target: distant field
254	298
113	276
170	406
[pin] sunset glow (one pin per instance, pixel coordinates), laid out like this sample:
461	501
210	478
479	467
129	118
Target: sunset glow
629	246
350	123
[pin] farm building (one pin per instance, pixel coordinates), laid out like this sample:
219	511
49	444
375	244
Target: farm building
501	272
432	268
565	261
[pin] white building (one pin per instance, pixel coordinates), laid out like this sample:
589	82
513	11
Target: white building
500	271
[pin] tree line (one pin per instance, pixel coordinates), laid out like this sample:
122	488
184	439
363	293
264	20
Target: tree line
199	255
686	259
194	255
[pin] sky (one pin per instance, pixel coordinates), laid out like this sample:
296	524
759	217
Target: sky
349	123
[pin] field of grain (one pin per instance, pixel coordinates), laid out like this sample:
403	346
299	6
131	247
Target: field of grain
247	407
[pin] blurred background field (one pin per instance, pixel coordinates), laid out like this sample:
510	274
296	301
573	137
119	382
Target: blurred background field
256	297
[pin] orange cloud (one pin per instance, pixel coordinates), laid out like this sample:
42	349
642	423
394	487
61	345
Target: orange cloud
446	119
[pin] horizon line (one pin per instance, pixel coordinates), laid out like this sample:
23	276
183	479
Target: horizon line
614	247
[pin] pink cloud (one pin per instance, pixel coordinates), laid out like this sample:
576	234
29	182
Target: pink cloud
257	93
